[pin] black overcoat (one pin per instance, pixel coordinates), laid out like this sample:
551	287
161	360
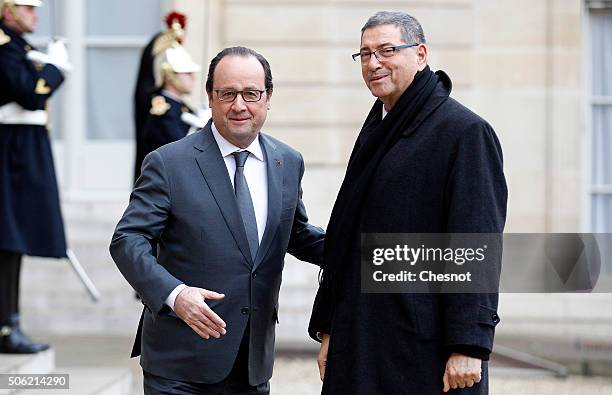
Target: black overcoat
444	176
30	215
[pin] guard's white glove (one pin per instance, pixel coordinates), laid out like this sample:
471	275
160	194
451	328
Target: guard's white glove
59	54
204	114
56	55
198	120
192	120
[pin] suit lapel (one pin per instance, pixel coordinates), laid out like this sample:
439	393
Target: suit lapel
274	167
213	169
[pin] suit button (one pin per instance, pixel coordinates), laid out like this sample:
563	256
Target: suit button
254	275
495	318
245	310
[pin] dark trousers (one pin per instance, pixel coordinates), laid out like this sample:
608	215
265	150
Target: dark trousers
236	383
10	267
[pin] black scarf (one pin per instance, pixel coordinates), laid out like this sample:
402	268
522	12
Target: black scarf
375	140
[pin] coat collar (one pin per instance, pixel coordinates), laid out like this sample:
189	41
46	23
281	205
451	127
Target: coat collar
439	96
274	167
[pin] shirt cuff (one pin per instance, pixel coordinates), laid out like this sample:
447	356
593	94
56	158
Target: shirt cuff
172	297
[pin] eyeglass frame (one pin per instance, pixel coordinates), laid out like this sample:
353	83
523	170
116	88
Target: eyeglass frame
261	92
382	59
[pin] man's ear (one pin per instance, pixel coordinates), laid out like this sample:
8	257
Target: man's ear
422	56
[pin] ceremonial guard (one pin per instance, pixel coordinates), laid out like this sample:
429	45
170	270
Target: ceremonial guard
30	216
170	118
145	84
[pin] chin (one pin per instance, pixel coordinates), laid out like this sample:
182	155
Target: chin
379	93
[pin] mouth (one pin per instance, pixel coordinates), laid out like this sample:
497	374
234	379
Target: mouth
239	119
378	77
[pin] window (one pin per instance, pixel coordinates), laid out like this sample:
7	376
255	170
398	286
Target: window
601	119
116	32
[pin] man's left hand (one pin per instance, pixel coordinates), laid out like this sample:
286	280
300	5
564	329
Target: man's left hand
461	372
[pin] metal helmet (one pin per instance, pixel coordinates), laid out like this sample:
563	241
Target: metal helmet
11	4
33	3
172	61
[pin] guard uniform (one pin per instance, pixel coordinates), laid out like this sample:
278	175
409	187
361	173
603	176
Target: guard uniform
166	121
30	220
145	83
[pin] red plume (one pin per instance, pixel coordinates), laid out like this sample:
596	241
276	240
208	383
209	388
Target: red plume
176	16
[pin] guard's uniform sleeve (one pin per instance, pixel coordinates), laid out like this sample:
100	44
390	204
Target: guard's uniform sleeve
27	84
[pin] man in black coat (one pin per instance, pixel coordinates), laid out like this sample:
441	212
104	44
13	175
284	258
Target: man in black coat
30	216
423	163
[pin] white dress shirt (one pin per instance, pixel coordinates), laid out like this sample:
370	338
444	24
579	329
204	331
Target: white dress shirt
256	176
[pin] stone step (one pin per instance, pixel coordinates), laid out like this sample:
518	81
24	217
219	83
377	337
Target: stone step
41	363
94	381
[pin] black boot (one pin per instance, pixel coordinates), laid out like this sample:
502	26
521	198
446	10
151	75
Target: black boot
14	341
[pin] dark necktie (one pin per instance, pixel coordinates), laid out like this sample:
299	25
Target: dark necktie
245	203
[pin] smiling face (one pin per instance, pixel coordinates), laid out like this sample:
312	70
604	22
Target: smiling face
389	78
238	121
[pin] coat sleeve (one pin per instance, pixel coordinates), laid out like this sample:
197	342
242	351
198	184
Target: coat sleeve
306	240
30	86
137	233
322	310
476	196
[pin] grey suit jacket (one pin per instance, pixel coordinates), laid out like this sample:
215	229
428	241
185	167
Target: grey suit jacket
182	225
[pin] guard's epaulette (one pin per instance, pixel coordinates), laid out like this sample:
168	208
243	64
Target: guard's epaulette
4	38
159	106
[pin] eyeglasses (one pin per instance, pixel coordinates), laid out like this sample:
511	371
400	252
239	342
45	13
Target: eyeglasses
380	54
248	95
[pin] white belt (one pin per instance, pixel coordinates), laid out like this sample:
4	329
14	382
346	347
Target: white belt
14	114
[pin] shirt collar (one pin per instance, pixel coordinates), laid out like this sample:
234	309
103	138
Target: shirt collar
228	148
384	112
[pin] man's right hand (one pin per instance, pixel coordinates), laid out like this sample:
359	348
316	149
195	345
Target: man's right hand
190	306
322	357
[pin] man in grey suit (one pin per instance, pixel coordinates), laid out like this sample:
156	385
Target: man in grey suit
204	237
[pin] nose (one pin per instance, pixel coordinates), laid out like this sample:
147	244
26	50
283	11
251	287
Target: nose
239	104
374	63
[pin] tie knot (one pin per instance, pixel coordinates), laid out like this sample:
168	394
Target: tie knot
240	157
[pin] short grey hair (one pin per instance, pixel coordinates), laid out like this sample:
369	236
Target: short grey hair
409	26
